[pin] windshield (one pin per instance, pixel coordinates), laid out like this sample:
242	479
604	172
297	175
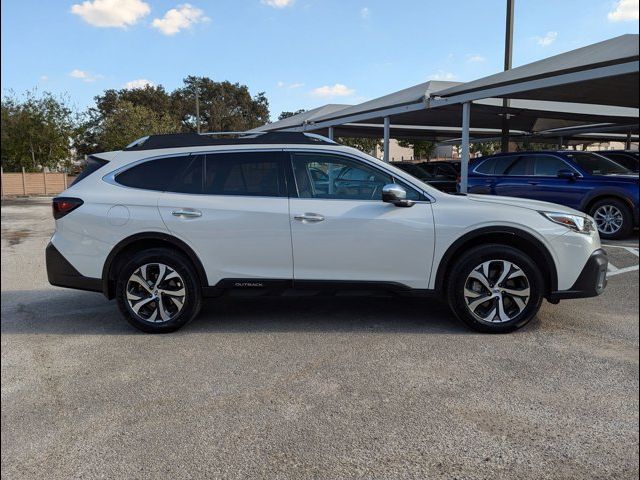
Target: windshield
597	164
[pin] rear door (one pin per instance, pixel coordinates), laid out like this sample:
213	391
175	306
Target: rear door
345	232
514	181
232	209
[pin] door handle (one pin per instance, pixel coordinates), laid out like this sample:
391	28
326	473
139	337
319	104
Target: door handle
309	217
534	183
187	212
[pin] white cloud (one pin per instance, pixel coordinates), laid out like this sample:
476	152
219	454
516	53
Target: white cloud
139	83
179	18
111	13
44	78
365	12
547	40
625	11
282	84
337	90
277	3
475	58
84	75
441	75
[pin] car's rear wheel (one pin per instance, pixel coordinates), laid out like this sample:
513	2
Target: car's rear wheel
158	291
495	289
613	218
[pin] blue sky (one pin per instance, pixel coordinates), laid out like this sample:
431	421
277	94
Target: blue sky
302	53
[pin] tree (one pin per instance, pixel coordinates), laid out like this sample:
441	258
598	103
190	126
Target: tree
36	131
422	149
128	121
485	148
151	106
367	145
286	114
224	106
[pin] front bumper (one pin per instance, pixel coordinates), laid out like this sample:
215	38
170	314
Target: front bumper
591	282
62	274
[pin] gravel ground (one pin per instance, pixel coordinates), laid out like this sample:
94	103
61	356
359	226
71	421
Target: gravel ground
282	388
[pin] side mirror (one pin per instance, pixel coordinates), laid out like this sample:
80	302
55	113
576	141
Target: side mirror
566	174
394	193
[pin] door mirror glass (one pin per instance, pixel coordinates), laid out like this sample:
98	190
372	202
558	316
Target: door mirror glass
566	174
396	194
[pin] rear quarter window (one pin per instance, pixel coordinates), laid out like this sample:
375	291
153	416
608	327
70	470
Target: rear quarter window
154	174
93	164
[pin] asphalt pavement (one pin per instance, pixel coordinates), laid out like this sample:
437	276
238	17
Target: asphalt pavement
298	388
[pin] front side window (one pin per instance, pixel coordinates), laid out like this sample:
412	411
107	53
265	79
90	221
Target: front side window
336	177
547	165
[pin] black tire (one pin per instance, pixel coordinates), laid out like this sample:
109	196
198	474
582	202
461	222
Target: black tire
191	305
458	277
627	218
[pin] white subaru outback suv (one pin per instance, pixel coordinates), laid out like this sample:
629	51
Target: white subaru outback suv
172	219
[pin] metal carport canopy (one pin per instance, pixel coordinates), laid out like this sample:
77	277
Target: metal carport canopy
604	73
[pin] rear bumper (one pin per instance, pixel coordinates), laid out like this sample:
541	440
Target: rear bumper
62	274
591	282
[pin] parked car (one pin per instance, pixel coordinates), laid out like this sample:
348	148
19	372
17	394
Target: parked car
444	183
627	158
445	167
172	219
585	181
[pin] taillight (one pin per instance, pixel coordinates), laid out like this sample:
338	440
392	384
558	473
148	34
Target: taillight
63	205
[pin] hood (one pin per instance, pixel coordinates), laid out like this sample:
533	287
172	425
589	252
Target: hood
524	203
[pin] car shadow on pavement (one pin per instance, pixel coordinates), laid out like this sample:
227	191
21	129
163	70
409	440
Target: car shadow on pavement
85	313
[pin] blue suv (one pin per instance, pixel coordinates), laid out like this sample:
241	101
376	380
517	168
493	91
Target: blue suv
585	181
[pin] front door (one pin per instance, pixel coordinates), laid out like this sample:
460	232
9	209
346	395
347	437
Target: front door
549	187
232	209
343	231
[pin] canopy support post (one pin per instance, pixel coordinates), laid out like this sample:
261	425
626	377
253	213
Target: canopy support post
387	125
464	158
331	133
627	144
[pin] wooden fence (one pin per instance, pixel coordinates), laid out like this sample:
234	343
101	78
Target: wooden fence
41	183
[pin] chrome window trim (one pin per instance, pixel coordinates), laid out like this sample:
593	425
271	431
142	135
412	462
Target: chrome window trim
571	167
110	177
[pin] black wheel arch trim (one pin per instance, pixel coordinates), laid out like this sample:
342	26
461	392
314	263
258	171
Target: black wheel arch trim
107	288
600	194
447	259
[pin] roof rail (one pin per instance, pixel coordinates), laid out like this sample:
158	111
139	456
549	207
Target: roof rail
179	140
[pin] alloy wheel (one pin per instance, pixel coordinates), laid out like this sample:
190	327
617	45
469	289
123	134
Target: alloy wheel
496	291
155	292
609	219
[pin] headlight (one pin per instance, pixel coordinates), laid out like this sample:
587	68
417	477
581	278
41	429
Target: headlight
577	223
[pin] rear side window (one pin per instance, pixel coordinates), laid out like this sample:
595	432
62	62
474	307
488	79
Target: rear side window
520	167
245	173
93	164
496	165
155	174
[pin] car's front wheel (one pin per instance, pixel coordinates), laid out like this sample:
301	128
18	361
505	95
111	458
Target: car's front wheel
613	218
495	289
158	291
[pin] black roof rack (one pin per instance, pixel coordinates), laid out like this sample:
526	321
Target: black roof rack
177	140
